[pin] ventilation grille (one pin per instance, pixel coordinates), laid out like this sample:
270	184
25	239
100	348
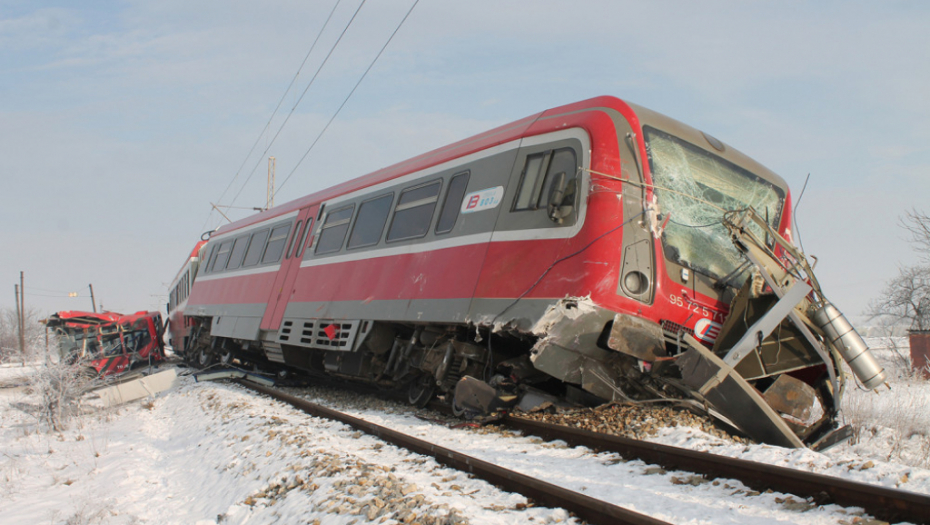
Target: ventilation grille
324	334
672	329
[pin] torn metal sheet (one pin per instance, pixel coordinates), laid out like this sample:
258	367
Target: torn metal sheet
638	337
138	388
733	396
475	396
216	375
794	399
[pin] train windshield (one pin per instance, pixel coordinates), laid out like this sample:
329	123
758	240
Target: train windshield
693	189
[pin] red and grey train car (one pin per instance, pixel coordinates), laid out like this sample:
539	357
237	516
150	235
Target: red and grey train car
579	248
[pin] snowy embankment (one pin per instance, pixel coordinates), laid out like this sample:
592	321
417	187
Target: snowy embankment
214	453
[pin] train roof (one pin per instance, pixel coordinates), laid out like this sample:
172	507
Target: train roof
535	124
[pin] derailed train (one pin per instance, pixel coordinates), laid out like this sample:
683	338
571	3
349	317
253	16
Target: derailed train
597	249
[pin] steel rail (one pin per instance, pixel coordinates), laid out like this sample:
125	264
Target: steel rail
887	504
585	507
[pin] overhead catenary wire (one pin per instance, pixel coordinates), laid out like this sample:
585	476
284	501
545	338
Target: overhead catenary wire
283	97
348	96
277	107
299	99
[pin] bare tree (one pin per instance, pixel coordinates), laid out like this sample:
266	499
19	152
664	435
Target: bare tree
9	334
906	298
917	224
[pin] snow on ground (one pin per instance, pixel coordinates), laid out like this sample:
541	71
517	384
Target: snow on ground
206	453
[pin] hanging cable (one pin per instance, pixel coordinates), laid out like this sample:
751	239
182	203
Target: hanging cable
347	97
275	112
286	119
797	231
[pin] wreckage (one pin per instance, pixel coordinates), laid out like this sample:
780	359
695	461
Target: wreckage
107	343
594	252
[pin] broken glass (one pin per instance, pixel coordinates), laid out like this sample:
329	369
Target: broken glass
694	188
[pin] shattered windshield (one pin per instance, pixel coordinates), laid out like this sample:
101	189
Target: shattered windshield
693	187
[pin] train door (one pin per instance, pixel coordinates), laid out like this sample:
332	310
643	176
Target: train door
290	264
539	205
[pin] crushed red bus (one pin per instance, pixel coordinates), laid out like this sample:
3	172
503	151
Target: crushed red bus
108	343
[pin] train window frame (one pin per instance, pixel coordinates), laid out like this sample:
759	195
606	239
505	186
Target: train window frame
232	264
260	247
527	196
290	246
327	230
374	222
209	259
272	257
302	246
449	213
401	207
216	266
548	170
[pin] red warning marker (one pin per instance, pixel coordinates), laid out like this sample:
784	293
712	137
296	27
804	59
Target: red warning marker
331	331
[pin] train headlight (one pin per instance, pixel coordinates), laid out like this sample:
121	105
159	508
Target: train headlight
635	283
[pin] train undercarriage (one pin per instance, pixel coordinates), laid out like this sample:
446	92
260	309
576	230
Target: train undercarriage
774	373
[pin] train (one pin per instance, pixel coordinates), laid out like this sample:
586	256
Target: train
594	252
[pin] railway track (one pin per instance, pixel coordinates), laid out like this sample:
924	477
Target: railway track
587	508
883	503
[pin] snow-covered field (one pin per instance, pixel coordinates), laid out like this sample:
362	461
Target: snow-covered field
205	453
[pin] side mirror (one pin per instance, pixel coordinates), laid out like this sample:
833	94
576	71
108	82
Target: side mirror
559	190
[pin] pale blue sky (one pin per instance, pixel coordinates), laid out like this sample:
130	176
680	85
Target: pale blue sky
121	121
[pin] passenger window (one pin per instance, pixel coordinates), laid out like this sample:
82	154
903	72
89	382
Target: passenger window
334	230
563	161
210	258
372	214
289	252
531	182
414	212
222	255
276	244
450	207
256	245
299	250
238	250
541	173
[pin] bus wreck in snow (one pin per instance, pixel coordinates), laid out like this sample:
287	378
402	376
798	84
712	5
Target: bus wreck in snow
108	343
597	247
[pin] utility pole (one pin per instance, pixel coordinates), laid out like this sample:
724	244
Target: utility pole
19	323
92	301
269	201
22	316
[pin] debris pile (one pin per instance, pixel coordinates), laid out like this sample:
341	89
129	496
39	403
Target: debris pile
631	421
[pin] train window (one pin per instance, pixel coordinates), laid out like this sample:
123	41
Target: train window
222	255
414	212
540	172
276	244
372	214
531	182
209	259
298	250
238	250
287	254
450	206
256	245
334	230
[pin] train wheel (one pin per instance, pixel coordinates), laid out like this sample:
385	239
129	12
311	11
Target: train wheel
457	411
226	358
421	391
204	358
